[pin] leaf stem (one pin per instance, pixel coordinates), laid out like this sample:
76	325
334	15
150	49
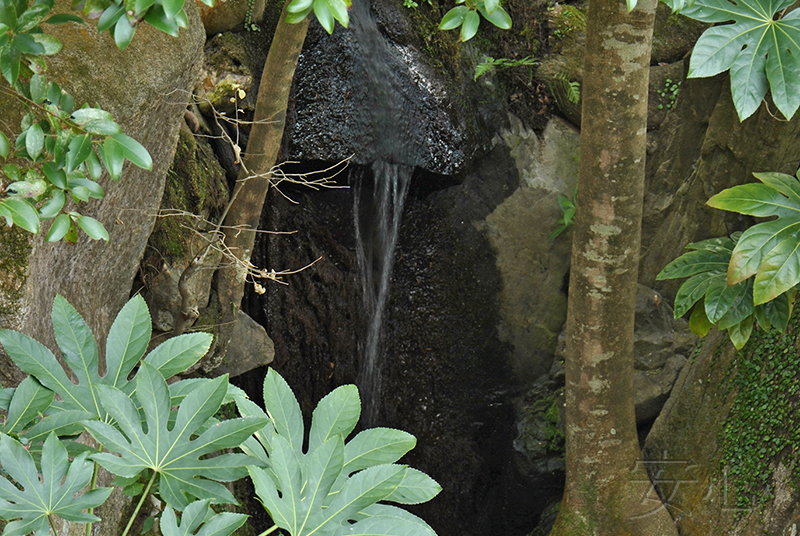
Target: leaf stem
273	528
92	486
145	493
52	525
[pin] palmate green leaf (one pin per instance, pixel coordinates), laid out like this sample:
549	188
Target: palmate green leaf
200	513
323	491
336	414
29	401
283	409
54	493
172	453
388	526
761	53
127	341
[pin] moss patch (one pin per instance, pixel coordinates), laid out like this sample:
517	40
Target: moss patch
14	251
195	184
763	426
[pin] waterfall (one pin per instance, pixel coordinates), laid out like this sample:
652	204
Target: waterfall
379	193
377	210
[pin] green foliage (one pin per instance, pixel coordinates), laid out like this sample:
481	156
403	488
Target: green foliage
768	250
712	300
30	508
761	47
669	92
567	206
326	11
334	484
200	513
763	425
172	454
465	16
504	63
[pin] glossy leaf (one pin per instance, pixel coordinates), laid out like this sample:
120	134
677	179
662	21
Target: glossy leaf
761	52
695	262
324	15
49	43
34	141
499	18
173	454
22	213
93	228
113	157
698	322
53	207
172	7
779	271
59	228
756	242
94	188
10	59
55	493
123	32
470	26
491	6
5	147
38	86
741	308
754	199
740	333
79	149
454	18
110	17
26	44
133	151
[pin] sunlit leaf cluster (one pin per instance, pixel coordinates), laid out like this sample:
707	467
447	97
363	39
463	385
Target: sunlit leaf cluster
758	41
467	16
752	276
60	152
326	11
165	440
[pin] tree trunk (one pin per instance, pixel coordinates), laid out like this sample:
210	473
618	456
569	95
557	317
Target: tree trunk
608	490
261	155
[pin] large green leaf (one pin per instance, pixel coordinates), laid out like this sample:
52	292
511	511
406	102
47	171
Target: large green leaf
21	213
753	199
30	400
53	493
336	414
761	50
779	271
200	513
694	289
322	492
175	455
695	262
756	243
127	341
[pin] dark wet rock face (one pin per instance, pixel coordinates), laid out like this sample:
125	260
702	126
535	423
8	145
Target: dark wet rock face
361	93
447	378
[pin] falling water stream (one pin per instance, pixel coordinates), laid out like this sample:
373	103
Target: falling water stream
379	194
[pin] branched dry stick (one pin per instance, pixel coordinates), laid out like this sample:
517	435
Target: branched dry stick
316	179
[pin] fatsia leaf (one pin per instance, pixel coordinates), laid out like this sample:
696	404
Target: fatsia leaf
386	526
200	513
336	414
173	454
283	409
53	493
760	51
127	341
30	400
376	446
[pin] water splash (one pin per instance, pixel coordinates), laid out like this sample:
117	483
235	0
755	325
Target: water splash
378	205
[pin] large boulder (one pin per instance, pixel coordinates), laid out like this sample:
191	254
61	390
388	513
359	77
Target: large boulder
146	88
723	452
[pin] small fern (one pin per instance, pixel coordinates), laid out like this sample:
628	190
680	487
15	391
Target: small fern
571	89
505	63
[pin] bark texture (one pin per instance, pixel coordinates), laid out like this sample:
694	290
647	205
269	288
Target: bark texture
244	214
608	491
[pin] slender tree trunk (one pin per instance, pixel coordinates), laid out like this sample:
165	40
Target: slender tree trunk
261	155
607	489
